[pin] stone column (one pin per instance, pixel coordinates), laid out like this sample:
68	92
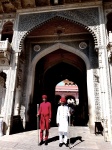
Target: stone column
105	92
91	102
110	57
104	75
10	91
110	70
17	101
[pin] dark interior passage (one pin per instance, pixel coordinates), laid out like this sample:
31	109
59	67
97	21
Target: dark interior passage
51	70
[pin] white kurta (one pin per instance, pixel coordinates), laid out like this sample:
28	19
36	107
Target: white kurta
62	118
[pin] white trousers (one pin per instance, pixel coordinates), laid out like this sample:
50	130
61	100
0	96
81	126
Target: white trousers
61	140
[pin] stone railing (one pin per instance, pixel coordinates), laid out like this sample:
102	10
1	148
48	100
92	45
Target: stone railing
5	46
5	51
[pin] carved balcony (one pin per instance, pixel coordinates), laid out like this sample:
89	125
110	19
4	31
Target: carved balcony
5	52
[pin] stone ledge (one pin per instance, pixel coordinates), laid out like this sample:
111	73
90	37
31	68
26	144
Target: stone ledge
5	52
60	7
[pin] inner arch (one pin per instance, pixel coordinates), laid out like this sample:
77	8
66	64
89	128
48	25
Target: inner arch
46	79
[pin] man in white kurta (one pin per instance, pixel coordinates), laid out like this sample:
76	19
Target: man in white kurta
62	122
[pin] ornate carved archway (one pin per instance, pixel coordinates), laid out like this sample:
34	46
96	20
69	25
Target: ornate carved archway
28	22
51	39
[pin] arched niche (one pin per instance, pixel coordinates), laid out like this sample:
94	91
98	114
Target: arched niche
7	31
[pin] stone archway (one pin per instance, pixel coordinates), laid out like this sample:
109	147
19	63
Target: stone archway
79	54
29	22
51	37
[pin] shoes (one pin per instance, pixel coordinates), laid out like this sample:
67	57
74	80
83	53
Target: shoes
60	144
41	142
46	143
66	144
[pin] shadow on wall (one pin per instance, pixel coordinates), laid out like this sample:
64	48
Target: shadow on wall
5	127
17	125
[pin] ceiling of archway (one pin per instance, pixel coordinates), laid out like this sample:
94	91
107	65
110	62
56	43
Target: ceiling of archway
60	65
58	26
58	29
61	72
59	56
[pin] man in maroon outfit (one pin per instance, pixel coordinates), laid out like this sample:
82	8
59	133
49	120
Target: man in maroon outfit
45	118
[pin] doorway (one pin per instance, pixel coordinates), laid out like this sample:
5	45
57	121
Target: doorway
51	70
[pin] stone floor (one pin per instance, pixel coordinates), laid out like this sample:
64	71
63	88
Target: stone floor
29	140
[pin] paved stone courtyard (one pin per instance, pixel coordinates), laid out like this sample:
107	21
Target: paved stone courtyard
29	140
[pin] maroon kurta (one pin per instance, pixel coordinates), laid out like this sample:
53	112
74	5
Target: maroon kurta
45	115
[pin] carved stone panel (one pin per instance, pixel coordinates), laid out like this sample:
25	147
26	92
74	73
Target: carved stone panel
86	17
97	96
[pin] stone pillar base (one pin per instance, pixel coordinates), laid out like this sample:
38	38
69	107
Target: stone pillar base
92	129
17	125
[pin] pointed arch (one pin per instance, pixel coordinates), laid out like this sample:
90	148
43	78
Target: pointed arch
73	21
64	47
50	50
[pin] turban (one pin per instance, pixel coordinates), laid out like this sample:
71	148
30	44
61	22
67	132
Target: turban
44	96
63	100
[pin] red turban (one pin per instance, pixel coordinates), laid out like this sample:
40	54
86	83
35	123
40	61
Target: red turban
44	96
63	100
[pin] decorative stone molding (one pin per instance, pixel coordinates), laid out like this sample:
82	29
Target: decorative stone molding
8	16
8	20
88	18
20	72
108	5
14	5
83	45
97	96
36	48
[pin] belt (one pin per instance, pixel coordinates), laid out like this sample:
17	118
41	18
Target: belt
44	115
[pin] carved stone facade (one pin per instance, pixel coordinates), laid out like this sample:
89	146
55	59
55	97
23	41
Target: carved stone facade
89	20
